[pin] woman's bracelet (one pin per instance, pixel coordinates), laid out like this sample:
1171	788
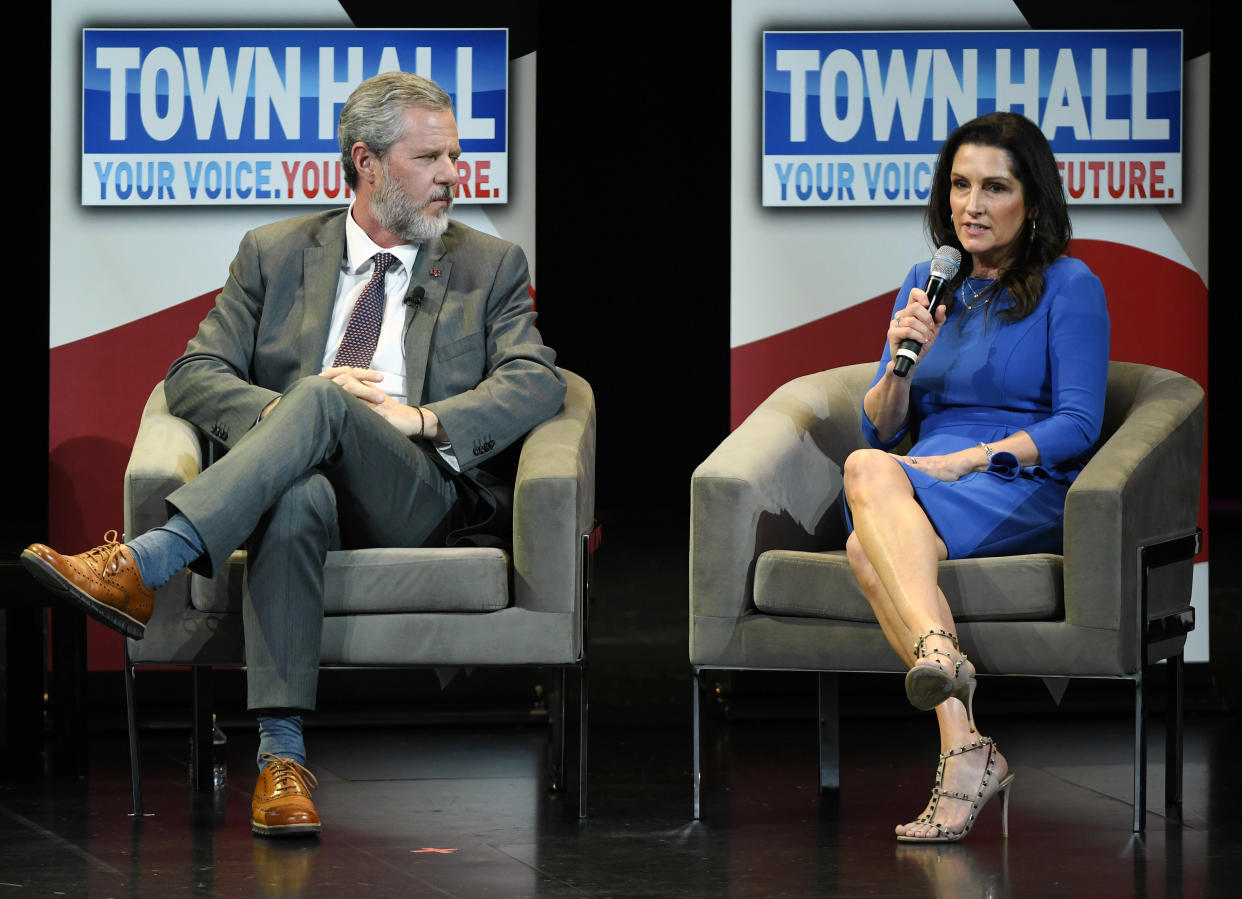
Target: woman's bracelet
986	449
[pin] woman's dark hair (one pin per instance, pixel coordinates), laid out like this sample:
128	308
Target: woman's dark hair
1036	169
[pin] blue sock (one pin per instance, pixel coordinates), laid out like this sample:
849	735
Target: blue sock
162	552
280	733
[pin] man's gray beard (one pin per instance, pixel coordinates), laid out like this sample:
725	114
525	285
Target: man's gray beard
398	214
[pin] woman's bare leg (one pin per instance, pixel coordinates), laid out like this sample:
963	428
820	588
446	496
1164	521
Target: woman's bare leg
894	551
897	539
891	624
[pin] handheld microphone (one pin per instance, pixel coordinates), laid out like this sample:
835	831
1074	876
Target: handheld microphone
416	295
944	266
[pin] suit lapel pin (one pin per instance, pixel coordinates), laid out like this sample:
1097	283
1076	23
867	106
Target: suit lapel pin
435	272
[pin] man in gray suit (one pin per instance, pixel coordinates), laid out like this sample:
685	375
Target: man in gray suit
365	371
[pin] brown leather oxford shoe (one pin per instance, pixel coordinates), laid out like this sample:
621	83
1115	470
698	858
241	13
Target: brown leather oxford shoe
103	581
281	804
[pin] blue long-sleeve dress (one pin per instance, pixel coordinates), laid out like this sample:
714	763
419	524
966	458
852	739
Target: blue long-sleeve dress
985	378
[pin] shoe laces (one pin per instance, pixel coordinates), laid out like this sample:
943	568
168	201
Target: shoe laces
288	776
102	558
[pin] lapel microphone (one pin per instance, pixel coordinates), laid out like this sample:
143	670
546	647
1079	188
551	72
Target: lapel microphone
415	297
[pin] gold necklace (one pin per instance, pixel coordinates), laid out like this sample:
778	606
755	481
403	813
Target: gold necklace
966	283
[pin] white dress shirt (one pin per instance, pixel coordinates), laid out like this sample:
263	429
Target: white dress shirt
356	268
389	358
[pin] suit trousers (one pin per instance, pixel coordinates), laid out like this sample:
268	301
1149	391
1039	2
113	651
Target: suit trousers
321	471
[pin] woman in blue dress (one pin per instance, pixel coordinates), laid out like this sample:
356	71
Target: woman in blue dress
1004	405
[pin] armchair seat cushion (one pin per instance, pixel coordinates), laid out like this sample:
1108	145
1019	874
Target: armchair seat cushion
380	581
798	584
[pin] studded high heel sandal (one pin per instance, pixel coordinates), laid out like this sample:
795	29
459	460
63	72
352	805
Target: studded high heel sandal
930	682
989	786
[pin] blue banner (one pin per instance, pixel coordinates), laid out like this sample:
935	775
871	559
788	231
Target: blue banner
856	118
244	116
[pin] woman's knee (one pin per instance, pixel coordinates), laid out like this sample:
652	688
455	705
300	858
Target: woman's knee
865	471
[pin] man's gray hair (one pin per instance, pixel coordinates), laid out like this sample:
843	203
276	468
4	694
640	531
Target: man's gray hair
375	113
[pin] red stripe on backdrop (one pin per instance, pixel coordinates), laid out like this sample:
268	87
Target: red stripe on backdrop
852	335
98	386
1158	310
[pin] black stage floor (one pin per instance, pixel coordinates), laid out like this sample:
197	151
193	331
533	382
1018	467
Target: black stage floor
464	811
457	805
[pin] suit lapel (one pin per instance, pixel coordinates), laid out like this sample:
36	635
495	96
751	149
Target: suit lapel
321	268
431	272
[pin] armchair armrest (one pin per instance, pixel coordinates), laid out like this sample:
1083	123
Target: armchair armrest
1141	486
554	503
167	453
775	482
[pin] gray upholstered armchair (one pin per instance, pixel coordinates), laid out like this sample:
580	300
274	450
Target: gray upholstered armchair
397	607
770	587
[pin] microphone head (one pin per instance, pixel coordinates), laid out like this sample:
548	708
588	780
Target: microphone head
946	262
415	297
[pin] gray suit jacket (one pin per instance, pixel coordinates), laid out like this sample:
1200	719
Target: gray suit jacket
473	354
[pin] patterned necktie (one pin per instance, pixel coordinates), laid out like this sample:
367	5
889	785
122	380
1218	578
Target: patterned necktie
362	333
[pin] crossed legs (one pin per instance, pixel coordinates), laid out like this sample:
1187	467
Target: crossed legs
894	552
321	471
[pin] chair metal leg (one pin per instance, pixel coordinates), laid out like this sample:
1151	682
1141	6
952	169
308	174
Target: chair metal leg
1151	632
829	732
583	709
556	732
590	542
1173	739
695	716
1140	753
135	774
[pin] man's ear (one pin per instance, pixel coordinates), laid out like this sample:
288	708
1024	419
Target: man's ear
366	162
